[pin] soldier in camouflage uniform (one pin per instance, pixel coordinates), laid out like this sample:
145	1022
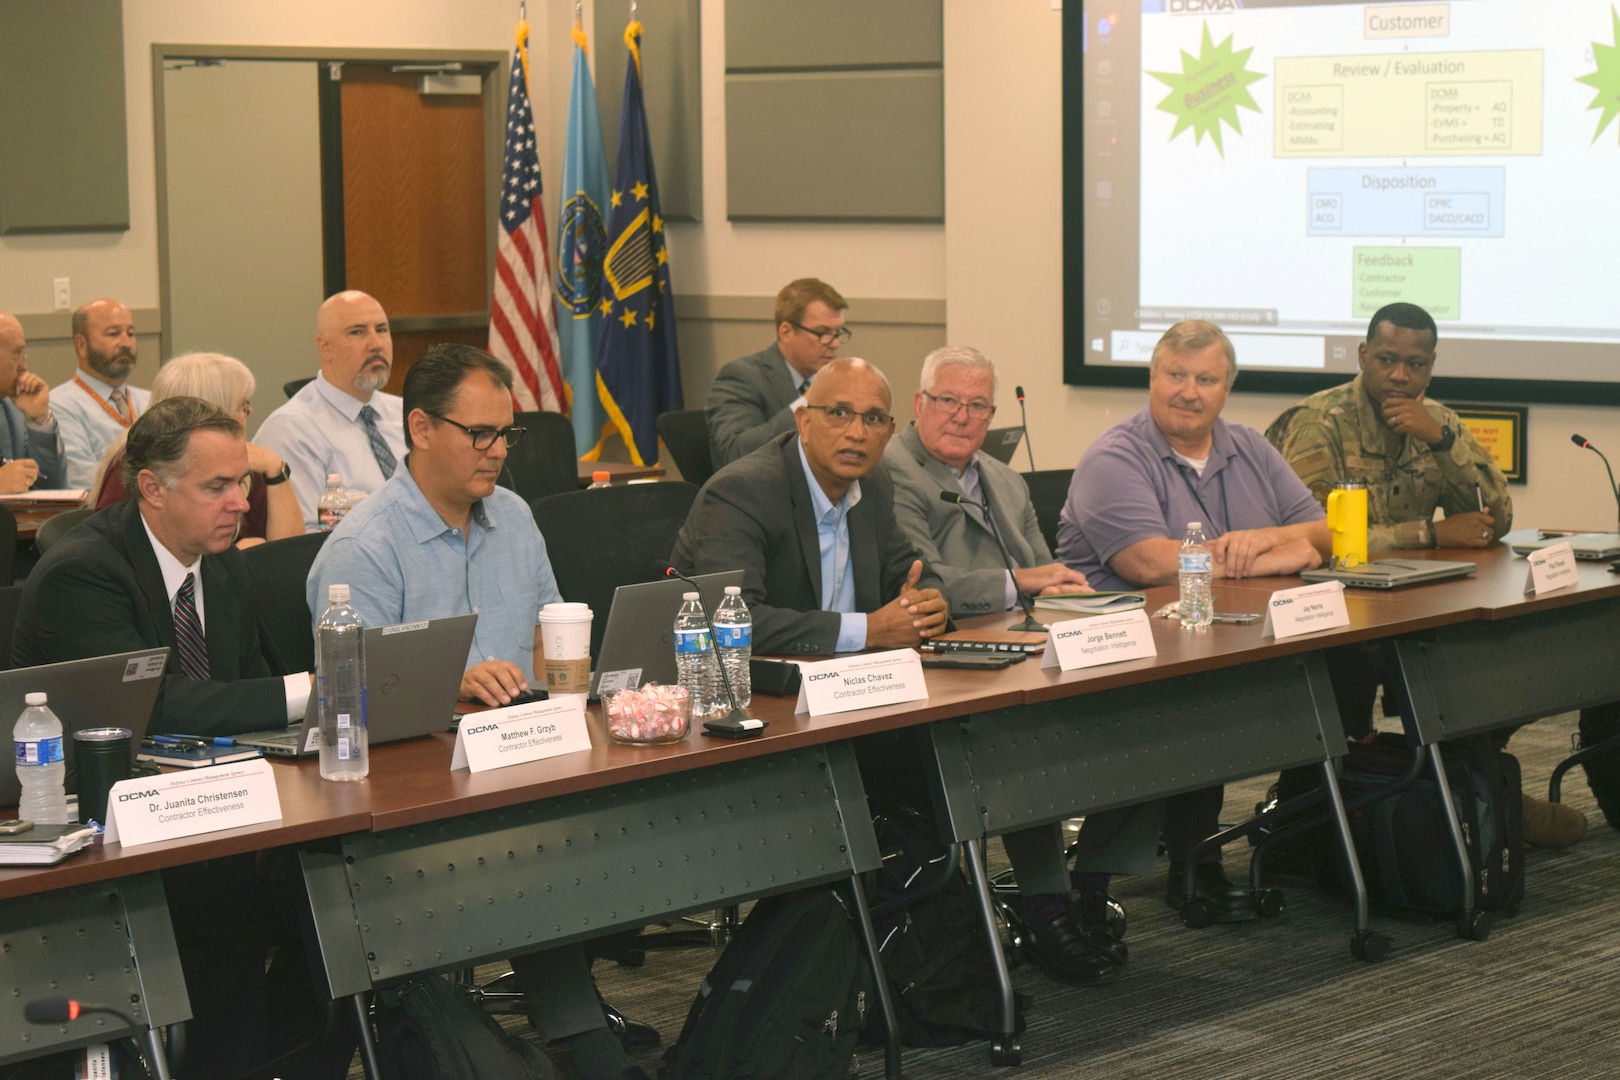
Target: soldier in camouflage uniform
1414	454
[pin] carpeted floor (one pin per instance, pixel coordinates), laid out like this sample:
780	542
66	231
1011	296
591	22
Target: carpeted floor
1284	997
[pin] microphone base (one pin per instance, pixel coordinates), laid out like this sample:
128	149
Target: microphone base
734	725
1029	625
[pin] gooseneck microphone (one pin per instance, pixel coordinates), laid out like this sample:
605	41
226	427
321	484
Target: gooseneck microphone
1029	623
736	724
1023	418
1581	442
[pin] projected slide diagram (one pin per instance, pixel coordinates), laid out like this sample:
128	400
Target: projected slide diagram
1459	155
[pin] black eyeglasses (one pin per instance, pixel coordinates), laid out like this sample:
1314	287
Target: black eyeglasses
841	416
484	438
827	337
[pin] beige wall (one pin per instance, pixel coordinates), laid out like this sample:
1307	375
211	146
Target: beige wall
1004	261
244	178
996	264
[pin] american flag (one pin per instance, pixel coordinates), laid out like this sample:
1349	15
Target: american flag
522	323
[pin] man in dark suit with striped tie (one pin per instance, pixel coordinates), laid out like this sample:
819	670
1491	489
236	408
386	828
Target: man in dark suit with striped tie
159	569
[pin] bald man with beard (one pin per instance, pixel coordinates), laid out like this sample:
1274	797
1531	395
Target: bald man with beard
342	422
97	405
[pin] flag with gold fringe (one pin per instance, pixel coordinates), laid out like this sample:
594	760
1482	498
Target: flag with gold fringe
637	365
522	320
581	243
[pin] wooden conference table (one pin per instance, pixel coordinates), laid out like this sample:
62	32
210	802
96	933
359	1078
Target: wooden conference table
420	869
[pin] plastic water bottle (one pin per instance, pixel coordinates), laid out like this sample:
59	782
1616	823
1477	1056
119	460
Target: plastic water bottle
38	741
334	503
694	656
601	478
734	638
1197	570
340	667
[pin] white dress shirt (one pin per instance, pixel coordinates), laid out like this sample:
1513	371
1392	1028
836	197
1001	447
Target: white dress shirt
87	429
319	431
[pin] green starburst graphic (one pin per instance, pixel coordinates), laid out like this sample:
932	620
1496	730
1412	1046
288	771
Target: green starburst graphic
1606	79
1209	89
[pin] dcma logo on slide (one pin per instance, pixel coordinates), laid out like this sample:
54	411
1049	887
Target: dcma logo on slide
1203	7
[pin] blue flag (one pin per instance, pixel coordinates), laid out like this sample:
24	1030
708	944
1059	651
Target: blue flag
636	359
581	243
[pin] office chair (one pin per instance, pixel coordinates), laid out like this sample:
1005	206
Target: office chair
292	386
8	546
279	569
544	461
1048	490
10	601
55	528
598	540
686	435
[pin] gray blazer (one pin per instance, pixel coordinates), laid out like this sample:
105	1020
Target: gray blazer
18	440
952	539
756	516
748	405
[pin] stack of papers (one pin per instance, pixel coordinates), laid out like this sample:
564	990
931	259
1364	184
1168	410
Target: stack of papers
1093	603
44	845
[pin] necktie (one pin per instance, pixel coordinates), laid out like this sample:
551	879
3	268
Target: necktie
188	631
379	446
120	402
804	388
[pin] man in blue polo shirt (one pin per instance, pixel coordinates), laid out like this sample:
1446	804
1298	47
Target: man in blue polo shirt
438	539
1129	504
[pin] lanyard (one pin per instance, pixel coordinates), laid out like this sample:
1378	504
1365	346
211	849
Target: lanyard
1220	477
123	421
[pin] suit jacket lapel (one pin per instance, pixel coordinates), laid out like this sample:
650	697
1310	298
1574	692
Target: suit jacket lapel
150	579
865	562
804	517
221	618
780	378
1000	501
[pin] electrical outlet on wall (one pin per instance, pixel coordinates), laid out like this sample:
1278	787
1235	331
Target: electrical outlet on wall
61	294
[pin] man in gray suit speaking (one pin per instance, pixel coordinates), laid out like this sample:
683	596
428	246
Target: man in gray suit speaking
940	452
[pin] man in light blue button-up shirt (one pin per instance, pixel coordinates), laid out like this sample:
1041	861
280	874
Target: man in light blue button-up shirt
440	538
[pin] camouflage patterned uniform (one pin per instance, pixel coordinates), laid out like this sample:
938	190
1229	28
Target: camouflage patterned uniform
1338	435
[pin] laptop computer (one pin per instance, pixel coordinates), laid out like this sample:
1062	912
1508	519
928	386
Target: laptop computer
1591	547
638	646
1002	443
102	691
1393	573
413	677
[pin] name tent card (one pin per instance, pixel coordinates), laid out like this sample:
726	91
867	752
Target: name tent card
1305	610
861	682
1551	568
145	809
519	734
1099	639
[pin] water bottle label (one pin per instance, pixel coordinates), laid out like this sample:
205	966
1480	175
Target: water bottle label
1195	562
692	641
734	637
343	721
344	749
38	752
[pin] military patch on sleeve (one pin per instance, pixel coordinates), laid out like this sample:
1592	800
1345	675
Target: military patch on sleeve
1322	489
1314	465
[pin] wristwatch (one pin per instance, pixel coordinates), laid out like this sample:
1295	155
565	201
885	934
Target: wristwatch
1447	438
279	478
